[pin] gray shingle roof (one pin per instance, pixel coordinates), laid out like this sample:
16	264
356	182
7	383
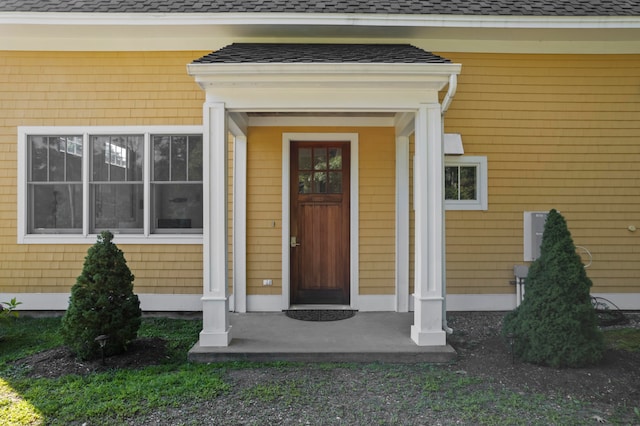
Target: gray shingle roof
320	53
409	7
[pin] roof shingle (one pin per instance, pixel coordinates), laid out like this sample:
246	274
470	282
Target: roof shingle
237	53
393	7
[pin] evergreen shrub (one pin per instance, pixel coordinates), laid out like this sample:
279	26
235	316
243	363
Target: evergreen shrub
102	303
556	324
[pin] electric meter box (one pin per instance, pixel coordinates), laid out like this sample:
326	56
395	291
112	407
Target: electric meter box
533	230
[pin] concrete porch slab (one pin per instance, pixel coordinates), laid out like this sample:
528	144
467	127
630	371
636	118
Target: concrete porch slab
367	337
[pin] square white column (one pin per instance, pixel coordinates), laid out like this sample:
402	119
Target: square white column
429	227
216	330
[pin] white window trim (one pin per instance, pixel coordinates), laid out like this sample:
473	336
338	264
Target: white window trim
85	237
482	202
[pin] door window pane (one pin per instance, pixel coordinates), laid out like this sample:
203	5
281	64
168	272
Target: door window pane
304	182
319	159
335	182
320	182
335	158
304	159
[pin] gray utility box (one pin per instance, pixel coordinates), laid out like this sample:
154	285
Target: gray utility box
533	230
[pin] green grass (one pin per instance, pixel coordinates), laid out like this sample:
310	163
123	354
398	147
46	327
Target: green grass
100	397
627	339
113	397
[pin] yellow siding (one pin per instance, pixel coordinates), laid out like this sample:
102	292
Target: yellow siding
559	131
264	206
91	88
377	210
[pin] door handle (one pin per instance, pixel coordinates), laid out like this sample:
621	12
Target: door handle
294	242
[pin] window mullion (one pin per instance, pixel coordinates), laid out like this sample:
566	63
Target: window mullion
458	169
86	166
146	185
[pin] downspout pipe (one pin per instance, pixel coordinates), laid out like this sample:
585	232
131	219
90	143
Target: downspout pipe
451	91
448	98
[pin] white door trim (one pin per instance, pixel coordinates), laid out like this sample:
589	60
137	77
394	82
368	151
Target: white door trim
352	138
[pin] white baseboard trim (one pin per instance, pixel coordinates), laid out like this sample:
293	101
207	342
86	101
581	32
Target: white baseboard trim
262	303
376	303
481	302
148	302
624	301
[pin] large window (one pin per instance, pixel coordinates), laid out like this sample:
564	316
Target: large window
465	183
136	182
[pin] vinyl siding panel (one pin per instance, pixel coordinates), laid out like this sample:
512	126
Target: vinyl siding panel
91	89
559	131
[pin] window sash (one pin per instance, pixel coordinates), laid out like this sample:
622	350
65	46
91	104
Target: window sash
456	198
81	226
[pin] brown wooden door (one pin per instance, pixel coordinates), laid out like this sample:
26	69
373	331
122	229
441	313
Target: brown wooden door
320	223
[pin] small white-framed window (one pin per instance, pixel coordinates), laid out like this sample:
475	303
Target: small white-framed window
465	183
143	183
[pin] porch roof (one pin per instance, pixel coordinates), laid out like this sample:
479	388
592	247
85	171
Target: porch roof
373	7
321	53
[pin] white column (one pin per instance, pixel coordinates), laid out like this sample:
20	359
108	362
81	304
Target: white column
216	330
429	227
240	223
402	223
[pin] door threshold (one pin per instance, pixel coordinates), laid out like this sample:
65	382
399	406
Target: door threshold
320	307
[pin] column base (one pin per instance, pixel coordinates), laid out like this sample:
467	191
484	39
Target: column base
427	322
428	338
216	330
215	339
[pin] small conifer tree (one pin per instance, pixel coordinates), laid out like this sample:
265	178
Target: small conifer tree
102	303
556	324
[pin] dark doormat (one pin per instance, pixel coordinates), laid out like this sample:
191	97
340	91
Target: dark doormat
319	314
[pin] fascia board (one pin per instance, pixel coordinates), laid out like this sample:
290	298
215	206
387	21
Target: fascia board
311	19
357	71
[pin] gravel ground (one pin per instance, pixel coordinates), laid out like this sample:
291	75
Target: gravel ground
367	394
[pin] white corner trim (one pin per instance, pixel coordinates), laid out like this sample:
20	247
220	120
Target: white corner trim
287	138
